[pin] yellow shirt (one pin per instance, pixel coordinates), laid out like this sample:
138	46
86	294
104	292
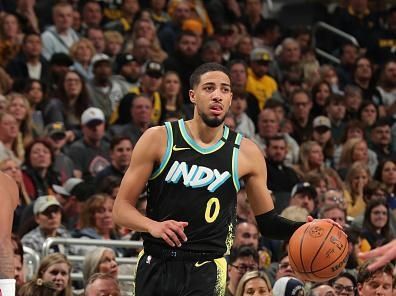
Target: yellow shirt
355	209
262	88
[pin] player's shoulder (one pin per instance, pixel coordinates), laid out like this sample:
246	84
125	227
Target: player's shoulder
249	147
8	185
152	142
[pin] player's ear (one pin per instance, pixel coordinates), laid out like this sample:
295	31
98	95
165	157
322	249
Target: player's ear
231	100
191	94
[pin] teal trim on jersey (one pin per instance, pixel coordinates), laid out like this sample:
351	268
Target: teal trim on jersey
195	146
168	153
235	154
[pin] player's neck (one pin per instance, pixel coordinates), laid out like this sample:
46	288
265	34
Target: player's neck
203	134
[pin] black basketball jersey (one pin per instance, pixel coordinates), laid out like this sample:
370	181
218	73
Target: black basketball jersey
197	185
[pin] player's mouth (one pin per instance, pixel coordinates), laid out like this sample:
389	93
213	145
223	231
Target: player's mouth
216	109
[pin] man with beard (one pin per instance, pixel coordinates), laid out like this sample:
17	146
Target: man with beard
193	170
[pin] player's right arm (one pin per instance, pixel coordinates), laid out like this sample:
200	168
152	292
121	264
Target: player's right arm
9	200
146	154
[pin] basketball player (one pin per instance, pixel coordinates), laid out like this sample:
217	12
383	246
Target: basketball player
9	201
193	170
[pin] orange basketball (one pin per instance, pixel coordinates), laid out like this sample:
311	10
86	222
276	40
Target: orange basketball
318	251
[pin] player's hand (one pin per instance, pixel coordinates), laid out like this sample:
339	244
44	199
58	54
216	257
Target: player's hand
171	231
382	255
310	219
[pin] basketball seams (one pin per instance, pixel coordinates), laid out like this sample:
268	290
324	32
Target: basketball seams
324	240
335	260
301	247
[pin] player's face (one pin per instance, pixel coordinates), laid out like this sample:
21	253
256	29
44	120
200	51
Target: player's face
379	284
212	97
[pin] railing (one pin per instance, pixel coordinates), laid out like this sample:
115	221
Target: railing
324	26
49	242
92	242
31	262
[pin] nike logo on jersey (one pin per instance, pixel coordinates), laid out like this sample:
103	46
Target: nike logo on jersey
175	148
200	264
196	176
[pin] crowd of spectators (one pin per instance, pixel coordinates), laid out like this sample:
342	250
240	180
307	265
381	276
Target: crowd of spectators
81	81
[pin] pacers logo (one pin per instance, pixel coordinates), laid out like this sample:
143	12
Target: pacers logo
316	231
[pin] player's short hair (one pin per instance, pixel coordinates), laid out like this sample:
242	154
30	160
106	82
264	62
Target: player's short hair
195	77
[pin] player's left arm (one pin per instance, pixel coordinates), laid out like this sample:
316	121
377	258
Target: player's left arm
253	170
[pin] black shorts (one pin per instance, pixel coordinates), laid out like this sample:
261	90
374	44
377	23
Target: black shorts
169	277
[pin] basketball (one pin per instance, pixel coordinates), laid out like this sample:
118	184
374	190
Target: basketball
318	251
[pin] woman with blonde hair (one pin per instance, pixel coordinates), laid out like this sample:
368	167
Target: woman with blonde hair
19	107
357	178
254	282
57	269
311	159
82	53
355	149
9	130
114	43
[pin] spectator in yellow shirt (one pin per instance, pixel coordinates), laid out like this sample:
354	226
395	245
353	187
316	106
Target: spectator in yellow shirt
259	83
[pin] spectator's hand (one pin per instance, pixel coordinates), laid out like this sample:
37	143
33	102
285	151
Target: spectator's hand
70	136
171	231
382	255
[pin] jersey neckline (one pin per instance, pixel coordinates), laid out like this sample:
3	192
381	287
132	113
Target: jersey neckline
196	146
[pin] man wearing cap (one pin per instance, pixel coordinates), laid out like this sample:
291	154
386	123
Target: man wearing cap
127	70
91	153
61	36
322	135
63	165
48	215
104	91
259	83
303	195
71	206
150	83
